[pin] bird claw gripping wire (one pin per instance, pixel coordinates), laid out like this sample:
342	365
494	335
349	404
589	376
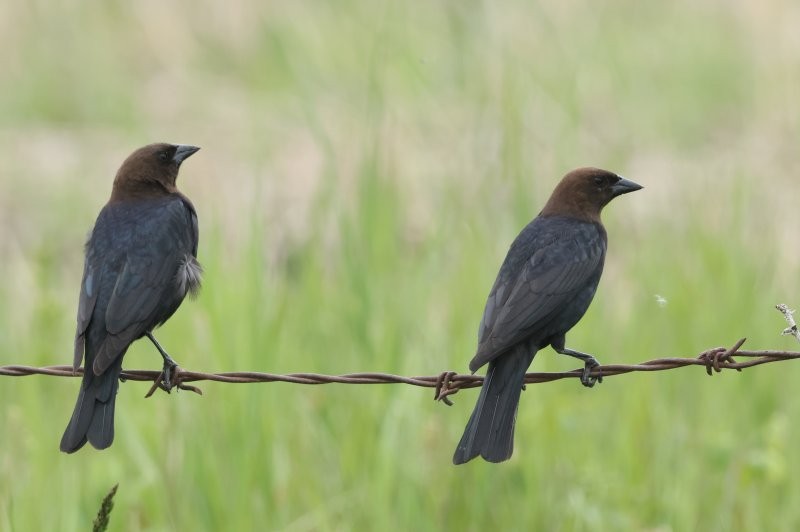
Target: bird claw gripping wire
587	379
720	355
168	373
169	378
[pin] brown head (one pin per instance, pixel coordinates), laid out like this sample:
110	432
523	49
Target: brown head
584	192
150	171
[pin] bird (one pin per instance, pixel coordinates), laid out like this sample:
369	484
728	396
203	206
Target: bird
543	288
140	263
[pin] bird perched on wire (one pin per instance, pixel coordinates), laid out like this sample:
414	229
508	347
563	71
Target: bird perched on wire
141	261
544	287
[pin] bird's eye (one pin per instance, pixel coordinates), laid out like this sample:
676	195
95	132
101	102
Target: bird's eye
163	156
598	181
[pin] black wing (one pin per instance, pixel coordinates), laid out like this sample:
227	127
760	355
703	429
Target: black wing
549	264
90	286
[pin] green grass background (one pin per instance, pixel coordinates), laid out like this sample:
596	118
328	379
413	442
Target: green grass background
365	166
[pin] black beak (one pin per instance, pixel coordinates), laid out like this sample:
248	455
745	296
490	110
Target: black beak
623	186
183	152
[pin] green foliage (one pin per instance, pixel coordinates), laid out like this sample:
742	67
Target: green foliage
104	514
364	168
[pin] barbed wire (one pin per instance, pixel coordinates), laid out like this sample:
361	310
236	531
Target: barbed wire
446	383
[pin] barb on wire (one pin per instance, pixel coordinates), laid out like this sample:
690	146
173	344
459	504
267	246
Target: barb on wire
446	383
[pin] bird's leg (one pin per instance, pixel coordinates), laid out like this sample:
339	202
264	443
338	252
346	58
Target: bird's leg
589	363
169	364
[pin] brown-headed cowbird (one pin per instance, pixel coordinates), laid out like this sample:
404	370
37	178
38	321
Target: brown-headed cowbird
140	264
544	287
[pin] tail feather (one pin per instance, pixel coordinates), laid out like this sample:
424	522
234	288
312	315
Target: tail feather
93	417
490	430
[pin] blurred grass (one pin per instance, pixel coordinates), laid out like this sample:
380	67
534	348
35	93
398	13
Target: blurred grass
364	168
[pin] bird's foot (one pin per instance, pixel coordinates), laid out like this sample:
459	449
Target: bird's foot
171	377
587	379
167	377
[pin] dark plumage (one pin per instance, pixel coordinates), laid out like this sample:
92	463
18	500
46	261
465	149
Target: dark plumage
544	287
140	264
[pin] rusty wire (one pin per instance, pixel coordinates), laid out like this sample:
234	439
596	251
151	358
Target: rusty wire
445	384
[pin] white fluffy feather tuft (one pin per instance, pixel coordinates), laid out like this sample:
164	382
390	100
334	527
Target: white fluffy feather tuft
189	276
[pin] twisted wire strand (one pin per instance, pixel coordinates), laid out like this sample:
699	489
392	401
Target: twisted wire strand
446	383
